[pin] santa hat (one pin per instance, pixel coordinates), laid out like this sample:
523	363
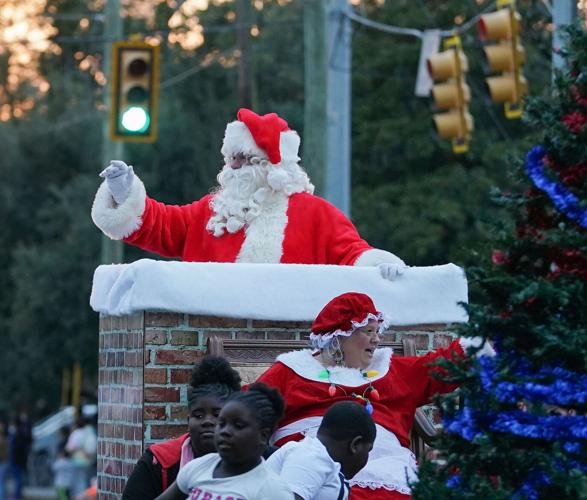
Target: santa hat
267	136
342	316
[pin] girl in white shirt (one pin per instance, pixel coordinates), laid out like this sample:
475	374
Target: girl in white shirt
237	471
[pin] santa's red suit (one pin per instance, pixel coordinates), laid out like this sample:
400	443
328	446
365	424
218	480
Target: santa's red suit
297	228
403	383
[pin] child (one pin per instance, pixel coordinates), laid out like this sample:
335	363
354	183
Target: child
312	468
213	381
237	470
63	475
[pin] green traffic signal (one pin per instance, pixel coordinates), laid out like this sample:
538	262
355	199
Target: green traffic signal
135	81
135	119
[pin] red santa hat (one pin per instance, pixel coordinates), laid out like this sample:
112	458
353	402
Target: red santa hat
342	316
267	136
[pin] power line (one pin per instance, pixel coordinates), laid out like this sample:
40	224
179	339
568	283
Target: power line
192	71
398	30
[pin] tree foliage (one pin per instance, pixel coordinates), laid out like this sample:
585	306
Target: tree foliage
519	429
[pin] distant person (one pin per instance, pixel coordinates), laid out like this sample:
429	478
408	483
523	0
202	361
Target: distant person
3	460
82	446
19	445
318	468
63	475
238	469
91	493
212	382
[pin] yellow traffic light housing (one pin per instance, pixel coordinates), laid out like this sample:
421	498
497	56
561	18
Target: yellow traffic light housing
453	95
134	91
506	57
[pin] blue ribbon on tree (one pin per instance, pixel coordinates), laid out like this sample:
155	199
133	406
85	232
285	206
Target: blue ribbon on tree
565	201
551	385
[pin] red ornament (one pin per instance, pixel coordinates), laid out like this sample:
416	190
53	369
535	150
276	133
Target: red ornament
374	394
575	121
332	390
499	258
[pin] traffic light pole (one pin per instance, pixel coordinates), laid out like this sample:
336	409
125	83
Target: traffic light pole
338	107
112	251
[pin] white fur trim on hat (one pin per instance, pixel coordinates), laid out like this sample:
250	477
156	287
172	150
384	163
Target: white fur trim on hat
119	221
238	139
319	341
374	257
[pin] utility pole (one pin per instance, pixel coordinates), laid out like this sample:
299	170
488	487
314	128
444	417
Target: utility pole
338	103
563	12
327	111
112	251
243	18
315	61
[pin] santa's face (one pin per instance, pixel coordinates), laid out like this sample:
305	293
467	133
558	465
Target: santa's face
238	160
360	347
246	183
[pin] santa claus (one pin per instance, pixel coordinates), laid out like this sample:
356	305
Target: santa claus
263	210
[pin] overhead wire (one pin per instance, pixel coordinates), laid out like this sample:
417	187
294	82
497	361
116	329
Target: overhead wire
417	33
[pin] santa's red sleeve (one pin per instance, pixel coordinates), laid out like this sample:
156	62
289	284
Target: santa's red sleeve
334	240
340	238
345	245
146	223
164	228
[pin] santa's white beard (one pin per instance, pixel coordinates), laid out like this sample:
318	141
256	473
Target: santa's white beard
245	192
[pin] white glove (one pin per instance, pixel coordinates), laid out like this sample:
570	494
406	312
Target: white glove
119	177
391	271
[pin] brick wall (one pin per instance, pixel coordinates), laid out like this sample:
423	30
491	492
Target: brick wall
120	401
145	364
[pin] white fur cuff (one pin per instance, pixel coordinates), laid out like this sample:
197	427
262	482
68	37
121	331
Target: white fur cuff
119	221
486	350
375	257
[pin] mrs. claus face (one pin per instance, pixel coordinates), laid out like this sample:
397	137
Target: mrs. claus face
359	348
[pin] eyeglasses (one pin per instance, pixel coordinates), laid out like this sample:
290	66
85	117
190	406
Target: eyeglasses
240	159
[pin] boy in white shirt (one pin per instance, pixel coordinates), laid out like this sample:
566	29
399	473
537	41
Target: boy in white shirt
317	468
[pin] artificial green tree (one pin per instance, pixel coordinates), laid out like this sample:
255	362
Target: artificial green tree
517	427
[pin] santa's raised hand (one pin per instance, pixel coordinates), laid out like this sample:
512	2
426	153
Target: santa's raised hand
119	177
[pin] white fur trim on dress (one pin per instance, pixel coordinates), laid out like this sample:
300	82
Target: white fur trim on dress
486	350
374	257
238	139
119	221
321	340
307	366
264	235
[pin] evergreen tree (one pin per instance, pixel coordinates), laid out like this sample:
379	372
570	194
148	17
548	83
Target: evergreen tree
517	427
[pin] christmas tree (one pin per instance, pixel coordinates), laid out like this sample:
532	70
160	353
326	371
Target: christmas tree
517	426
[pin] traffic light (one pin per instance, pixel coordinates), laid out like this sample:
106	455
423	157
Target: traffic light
506	56
453	95
134	92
